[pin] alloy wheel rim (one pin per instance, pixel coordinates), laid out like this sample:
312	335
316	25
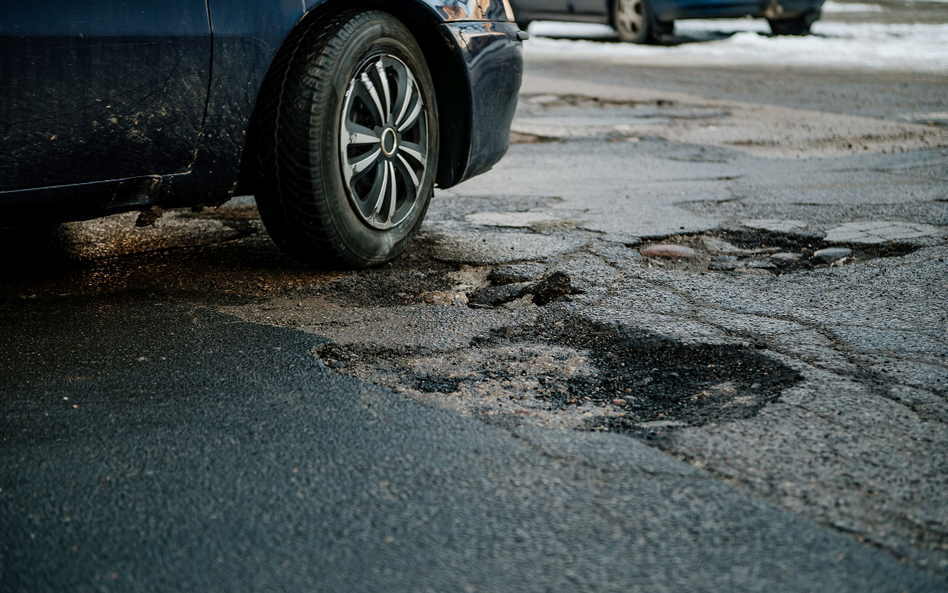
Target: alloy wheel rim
384	141
630	16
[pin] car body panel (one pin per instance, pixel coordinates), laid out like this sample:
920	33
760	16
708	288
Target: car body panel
536	6
590	7
100	99
667	10
246	36
494	63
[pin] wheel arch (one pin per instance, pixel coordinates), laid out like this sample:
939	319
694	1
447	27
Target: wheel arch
448	73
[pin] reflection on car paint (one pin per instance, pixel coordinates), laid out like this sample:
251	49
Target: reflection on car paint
478	10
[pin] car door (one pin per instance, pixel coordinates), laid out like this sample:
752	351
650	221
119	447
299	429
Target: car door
590	7
716	8
93	90
534	7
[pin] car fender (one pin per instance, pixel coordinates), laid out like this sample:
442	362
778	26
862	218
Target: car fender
247	36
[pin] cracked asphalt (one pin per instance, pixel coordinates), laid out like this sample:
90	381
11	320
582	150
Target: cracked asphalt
687	335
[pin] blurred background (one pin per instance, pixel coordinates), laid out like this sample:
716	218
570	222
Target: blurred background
882	35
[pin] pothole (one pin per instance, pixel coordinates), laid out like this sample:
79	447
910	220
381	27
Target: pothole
584	101
546	118
760	252
584	375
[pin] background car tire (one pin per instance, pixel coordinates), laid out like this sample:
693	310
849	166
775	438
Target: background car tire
798	25
310	185
634	21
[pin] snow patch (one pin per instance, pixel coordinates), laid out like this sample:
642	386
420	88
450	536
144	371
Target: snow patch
831	6
915	47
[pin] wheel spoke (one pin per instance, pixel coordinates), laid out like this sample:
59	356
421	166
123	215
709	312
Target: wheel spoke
411	116
367	83
386	93
394	196
379	196
407	91
361	165
413	150
358	134
406	168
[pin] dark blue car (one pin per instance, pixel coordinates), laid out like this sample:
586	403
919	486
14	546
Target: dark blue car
645	21
339	116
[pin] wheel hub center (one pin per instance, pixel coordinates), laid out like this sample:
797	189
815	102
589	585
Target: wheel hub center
389	142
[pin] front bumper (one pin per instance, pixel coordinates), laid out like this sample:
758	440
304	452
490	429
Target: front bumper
492	55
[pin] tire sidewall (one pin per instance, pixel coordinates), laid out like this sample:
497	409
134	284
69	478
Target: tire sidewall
378	36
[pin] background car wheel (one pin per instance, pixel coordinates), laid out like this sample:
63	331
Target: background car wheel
799	25
630	20
634	21
348	141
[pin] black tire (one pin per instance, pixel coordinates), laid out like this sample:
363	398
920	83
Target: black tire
306	198
634	21
798	25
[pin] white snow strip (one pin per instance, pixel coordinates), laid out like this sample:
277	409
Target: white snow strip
831	6
571	30
728	42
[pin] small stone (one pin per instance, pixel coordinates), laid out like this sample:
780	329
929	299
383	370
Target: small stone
712	245
667	250
831	254
776	226
552	287
149	216
785	256
619	401
762	264
723	263
494	296
514	273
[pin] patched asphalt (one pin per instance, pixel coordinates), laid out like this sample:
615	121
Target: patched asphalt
151	446
548	391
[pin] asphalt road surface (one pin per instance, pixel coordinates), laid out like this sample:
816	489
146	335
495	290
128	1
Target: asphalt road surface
689	335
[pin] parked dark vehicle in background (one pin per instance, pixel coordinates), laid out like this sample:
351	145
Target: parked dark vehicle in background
339	116
645	21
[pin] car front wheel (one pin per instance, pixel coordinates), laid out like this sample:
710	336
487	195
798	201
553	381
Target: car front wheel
348	141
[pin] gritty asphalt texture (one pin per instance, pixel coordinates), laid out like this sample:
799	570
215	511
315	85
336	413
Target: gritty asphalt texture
532	397
165	447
